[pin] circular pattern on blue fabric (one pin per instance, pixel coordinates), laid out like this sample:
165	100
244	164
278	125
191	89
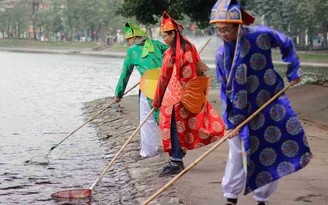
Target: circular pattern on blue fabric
293	126
263	178
305	142
268	157
250	168
238	118
272	134
262	97
305	159
285	168
252	83
254	143
290	148
277	112
240	99
270	77
257	61
241	73
279	87
263	41
245	48
257	122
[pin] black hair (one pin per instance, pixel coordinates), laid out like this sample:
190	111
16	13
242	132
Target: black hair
184	43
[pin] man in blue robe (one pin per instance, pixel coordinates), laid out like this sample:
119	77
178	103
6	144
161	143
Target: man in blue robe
273	144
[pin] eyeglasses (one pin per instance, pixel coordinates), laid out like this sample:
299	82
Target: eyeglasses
222	31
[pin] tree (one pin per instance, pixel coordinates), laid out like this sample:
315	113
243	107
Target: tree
34	14
197	10
293	17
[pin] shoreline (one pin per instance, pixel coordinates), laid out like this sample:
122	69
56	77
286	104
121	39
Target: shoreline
201	185
207	56
140	177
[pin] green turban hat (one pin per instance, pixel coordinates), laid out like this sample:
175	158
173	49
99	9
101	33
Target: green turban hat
131	30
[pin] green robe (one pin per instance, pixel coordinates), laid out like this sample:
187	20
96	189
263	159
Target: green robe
133	59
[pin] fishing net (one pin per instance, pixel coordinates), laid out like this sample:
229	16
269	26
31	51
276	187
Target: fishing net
39	160
72	194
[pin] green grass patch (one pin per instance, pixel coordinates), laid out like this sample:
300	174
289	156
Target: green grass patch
306	56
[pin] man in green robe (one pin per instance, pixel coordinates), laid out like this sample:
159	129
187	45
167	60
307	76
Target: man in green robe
144	54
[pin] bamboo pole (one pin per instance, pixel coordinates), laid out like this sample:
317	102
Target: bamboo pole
223	139
90	119
122	148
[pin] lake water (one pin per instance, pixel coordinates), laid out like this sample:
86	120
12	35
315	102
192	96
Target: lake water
41	100
41	97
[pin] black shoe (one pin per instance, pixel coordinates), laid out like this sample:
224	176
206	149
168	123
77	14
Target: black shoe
261	203
171	169
180	163
231	201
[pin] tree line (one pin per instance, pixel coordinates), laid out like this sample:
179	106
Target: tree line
303	20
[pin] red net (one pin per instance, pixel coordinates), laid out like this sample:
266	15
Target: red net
73	194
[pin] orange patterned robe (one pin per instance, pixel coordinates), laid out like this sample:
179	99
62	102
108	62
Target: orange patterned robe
194	130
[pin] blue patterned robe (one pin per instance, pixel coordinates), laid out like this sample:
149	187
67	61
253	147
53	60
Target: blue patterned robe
274	141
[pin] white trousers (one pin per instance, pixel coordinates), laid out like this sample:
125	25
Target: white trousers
234	179
149	132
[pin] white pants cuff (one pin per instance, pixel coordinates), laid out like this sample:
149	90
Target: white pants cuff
230	196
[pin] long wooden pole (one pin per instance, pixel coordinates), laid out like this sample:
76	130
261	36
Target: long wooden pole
122	148
205	44
223	139
130	138
93	117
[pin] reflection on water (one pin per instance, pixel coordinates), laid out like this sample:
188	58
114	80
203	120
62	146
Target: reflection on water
41	100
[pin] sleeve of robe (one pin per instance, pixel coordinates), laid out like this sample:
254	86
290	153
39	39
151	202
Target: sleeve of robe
288	53
125	75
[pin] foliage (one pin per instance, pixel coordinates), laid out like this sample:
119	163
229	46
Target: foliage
73	18
197	10
293	17
69	18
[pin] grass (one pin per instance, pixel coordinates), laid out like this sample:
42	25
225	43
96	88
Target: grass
306	56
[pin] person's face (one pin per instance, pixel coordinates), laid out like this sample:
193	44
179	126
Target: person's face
168	38
130	41
228	31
